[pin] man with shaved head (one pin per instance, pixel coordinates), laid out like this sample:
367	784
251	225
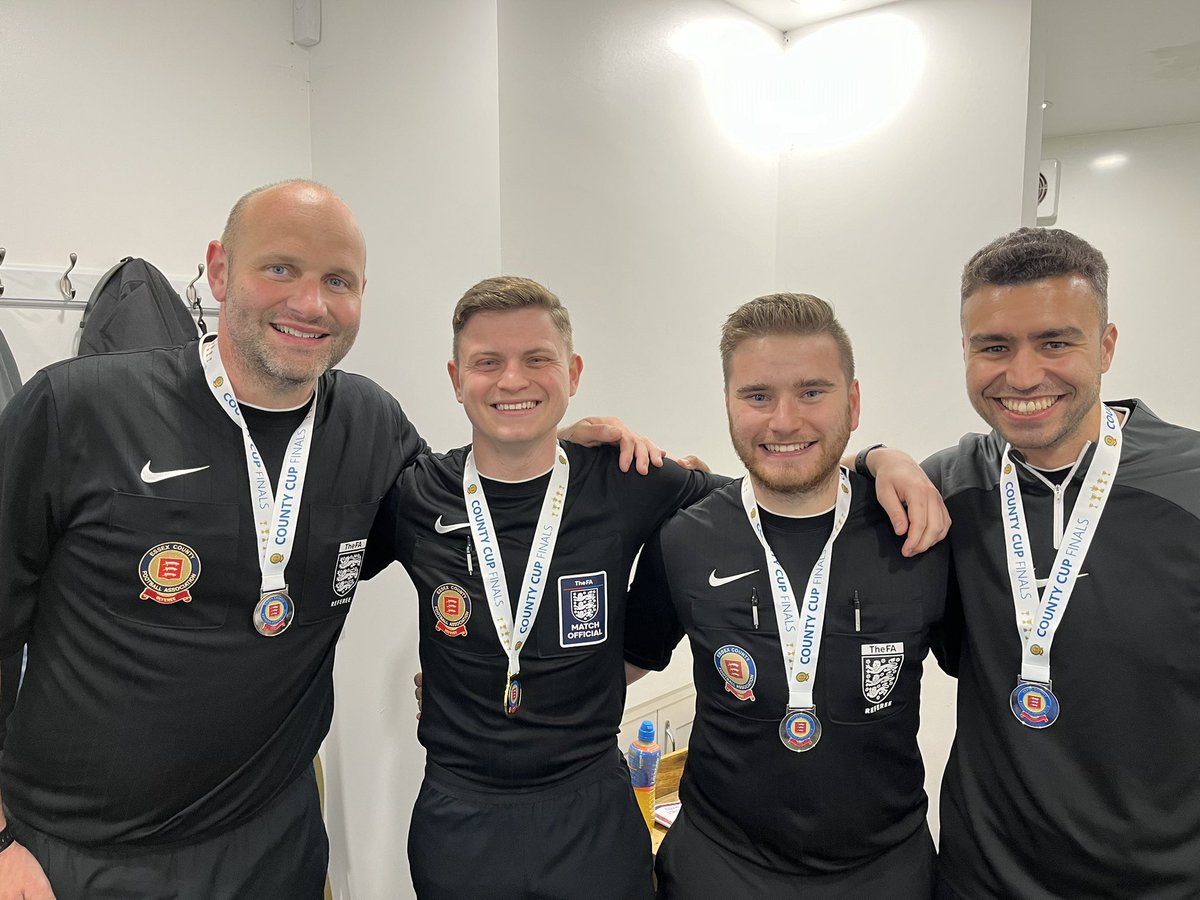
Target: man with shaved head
181	532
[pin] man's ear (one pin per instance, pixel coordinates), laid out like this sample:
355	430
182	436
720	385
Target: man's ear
452	370
1108	346
217	267
573	370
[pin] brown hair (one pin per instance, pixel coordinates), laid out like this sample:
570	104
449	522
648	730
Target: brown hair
509	292
1032	254
799	314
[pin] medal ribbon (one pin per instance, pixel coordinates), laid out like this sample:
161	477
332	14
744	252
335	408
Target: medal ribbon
537	568
800	627
275	512
1037	621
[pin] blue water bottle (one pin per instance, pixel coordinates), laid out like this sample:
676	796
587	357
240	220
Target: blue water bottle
643	757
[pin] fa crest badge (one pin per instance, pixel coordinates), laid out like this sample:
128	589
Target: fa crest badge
348	567
881	664
582	610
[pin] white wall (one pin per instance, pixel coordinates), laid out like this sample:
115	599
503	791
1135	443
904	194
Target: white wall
1144	216
130	128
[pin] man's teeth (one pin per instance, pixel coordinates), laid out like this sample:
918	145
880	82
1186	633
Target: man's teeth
787	448
294	333
528	404
1025	407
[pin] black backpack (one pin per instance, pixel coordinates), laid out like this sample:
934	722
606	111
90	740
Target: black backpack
10	669
134	307
10	378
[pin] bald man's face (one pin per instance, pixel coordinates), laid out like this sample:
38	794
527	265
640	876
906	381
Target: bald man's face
291	289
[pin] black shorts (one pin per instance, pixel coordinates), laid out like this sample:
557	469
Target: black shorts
583	840
280	853
691	866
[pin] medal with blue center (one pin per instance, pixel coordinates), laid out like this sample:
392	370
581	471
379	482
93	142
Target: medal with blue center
800	729
512	696
275	512
273	614
514	633
1034	704
1033	701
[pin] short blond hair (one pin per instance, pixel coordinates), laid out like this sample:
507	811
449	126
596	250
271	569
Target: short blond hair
798	314
505	293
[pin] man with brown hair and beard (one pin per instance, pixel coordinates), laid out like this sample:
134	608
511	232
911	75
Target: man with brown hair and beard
808	630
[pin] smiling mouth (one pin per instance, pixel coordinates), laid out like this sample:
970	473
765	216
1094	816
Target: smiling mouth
1027	407
292	332
787	448
515	407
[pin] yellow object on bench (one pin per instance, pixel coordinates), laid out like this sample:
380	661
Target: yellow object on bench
666	788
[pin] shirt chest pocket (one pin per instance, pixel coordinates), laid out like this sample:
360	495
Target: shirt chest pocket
454	608
873	673
171	563
737	602
583	604
336	545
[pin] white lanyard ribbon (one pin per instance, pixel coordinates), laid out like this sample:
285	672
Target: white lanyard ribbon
800	627
1038	620
276	513
487	550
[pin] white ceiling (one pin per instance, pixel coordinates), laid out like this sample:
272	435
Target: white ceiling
1110	64
788	14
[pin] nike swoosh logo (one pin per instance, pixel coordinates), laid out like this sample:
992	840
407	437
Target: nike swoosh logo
1042	582
717	582
150	477
446	529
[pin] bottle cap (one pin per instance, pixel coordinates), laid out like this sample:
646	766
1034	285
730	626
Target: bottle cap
646	731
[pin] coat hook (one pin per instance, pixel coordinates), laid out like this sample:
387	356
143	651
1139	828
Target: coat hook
64	283
2	252
193	296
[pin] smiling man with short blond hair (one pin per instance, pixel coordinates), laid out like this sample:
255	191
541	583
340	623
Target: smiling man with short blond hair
520	548
808	629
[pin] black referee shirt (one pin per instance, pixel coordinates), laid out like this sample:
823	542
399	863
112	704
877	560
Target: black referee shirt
860	790
151	721
571	669
1106	801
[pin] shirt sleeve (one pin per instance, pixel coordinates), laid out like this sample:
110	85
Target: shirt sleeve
382	548
31	480
652	626
412	445
946	636
665	491
383	541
